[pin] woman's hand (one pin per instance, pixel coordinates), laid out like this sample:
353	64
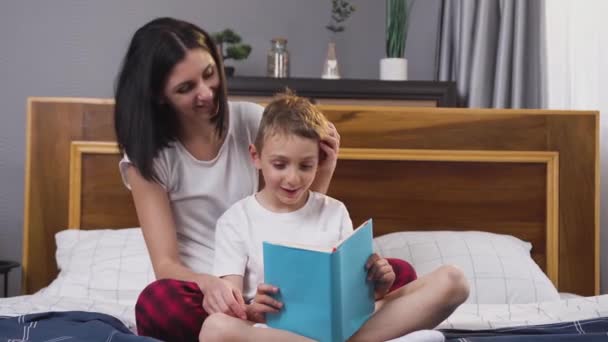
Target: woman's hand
221	296
263	303
381	273
330	145
328	158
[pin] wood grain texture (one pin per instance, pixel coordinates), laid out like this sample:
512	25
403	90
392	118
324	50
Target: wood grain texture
504	192
52	125
420	194
575	138
98	198
573	134
105	200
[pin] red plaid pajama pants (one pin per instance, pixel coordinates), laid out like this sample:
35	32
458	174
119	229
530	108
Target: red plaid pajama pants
172	310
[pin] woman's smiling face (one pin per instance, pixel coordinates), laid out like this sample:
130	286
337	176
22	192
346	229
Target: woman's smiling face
193	84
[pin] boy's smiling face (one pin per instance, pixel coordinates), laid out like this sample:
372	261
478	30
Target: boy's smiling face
289	166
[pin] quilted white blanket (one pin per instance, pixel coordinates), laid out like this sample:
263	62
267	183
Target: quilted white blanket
467	316
490	316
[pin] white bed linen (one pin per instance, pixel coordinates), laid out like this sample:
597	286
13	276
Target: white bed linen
568	295
490	316
467	316
498	267
41	302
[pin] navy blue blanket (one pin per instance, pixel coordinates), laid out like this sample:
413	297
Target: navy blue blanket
584	331
69	326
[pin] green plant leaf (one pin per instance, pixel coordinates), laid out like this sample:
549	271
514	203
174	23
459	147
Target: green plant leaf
238	51
230	46
341	10
397	14
231	37
217	37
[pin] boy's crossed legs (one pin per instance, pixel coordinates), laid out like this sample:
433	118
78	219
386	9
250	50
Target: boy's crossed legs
421	304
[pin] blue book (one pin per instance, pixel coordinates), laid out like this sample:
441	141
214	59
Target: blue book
325	292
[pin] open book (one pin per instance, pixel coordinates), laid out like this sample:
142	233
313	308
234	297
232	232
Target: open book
325	292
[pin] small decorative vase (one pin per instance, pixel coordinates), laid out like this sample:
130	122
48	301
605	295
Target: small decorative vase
277	62
330	68
393	69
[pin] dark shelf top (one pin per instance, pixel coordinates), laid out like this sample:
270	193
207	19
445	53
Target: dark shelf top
444	93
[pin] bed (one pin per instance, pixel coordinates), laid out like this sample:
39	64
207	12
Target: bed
431	178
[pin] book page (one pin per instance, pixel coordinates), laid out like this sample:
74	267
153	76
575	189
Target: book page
304	246
349	235
317	248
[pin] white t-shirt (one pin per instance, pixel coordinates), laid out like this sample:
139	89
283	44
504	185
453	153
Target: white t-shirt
322	221
201	191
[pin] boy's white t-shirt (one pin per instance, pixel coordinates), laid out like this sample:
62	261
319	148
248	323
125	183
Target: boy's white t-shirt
201	191
322	221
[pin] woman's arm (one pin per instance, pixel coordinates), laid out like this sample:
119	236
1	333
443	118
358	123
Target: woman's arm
156	220
236	281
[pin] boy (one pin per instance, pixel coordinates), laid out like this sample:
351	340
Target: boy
287	152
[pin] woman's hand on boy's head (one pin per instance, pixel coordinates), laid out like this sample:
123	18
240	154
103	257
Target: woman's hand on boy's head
330	146
263	303
381	273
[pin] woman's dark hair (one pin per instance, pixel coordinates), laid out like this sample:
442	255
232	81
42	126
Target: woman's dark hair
144	124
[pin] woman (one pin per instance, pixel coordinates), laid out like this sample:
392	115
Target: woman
186	161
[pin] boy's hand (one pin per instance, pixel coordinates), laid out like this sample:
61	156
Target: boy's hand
381	273
263	303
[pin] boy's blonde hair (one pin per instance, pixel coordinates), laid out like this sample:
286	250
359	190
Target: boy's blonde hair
290	114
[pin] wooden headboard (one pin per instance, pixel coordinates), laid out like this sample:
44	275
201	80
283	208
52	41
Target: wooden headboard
532	174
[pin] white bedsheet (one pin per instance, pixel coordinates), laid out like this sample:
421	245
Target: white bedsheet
40	302
490	316
467	316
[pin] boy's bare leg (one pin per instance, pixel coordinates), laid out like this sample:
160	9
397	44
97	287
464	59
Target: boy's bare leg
221	327
421	304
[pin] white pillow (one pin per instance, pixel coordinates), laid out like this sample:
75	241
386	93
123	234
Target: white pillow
109	264
499	268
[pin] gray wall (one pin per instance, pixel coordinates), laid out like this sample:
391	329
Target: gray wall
74	48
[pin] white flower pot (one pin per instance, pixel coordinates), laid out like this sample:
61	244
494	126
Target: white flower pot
393	69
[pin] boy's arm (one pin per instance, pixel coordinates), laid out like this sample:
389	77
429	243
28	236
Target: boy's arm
230	256
230	251
346	228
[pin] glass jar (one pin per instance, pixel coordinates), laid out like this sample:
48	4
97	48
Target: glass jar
278	58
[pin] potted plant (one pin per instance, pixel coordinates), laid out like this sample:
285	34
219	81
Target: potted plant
341	10
394	66
230	47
